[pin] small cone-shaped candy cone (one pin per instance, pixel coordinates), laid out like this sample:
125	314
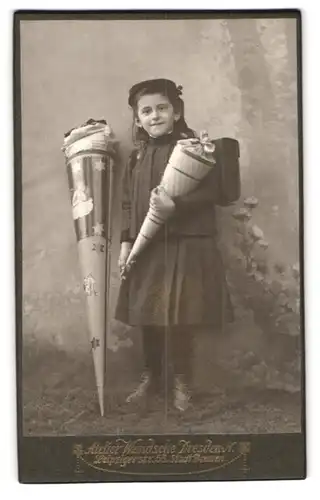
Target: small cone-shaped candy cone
185	170
90	161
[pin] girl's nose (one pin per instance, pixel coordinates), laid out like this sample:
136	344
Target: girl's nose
155	114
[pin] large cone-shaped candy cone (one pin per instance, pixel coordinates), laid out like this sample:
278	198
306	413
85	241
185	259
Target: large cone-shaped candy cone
187	166
89	153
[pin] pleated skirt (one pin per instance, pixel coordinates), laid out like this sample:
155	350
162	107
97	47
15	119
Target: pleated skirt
176	281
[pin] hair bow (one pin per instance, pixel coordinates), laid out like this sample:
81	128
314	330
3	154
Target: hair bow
179	90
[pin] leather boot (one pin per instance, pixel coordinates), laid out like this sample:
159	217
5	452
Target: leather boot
182	394
146	387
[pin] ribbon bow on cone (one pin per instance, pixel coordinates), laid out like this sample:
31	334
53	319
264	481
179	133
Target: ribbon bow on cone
202	146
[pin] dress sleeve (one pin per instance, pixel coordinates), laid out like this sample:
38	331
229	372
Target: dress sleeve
126	202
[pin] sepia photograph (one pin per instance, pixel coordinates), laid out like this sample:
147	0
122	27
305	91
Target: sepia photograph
158	171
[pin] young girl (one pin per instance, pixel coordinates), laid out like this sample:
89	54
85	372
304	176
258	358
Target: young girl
177	284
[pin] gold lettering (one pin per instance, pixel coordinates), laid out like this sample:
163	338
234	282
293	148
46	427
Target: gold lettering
230	447
121	452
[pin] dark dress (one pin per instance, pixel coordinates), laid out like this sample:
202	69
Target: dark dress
179	279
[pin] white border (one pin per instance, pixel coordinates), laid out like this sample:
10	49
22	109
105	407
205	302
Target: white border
311	90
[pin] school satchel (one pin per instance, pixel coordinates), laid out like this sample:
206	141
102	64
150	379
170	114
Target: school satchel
227	154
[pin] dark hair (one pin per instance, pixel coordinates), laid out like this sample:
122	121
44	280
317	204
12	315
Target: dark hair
172	92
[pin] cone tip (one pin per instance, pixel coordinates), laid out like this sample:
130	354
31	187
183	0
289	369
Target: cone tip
101	400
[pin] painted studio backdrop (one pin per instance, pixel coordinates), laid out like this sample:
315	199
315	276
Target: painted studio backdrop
239	80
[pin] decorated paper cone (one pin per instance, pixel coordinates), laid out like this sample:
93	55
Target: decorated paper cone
185	170
90	162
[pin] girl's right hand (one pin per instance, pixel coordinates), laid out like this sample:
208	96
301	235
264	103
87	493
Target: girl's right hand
125	250
161	201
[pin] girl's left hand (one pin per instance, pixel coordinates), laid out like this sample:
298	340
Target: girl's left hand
161	201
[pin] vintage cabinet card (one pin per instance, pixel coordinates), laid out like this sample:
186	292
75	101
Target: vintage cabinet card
159	245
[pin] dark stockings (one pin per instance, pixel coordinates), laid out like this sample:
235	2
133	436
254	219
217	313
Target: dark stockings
175	344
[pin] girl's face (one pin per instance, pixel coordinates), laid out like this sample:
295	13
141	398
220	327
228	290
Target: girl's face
155	114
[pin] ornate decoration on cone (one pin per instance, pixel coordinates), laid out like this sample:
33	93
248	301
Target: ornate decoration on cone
98	247
76	167
89	285
95	343
99	165
98	229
